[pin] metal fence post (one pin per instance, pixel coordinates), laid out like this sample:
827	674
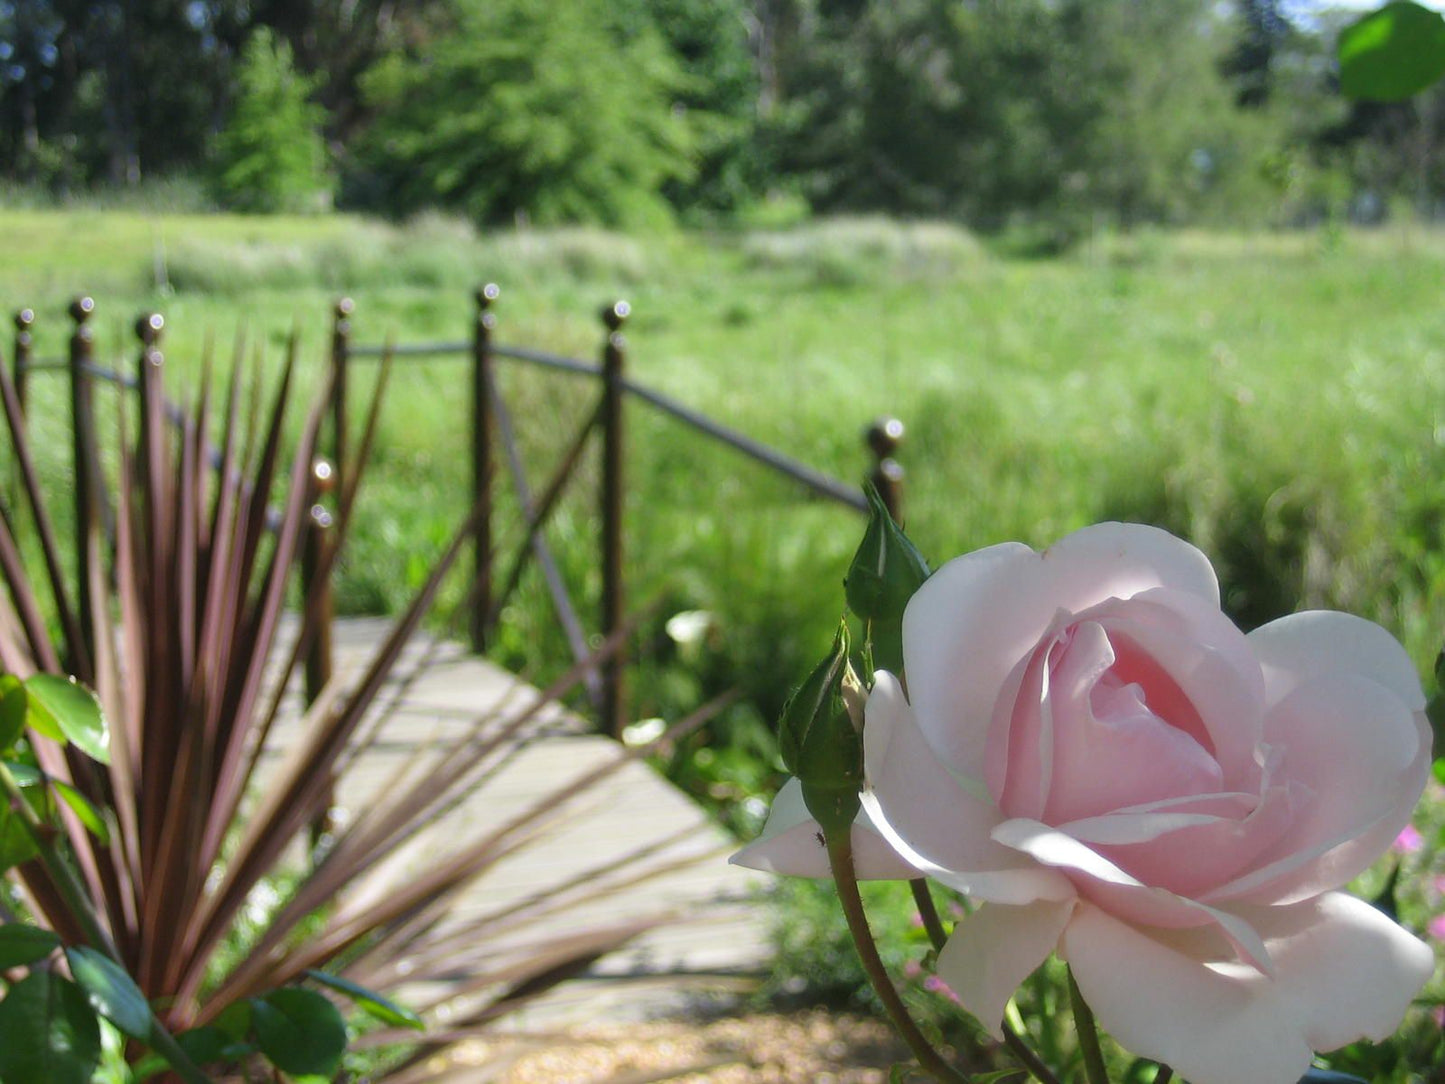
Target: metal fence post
149	364
24	351
481	594
83	448
613	438
340	353
317	601
883	438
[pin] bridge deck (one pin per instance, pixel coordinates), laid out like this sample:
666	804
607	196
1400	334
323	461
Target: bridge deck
722	943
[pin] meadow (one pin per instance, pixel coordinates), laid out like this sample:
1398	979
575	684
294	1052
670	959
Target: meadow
1277	398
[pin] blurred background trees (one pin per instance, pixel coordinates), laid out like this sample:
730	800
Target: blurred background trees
1065	114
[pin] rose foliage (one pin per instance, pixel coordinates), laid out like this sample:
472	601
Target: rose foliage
1095	754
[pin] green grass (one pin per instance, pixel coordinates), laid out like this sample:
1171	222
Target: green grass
1277	398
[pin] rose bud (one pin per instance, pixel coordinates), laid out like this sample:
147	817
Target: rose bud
886	571
820	741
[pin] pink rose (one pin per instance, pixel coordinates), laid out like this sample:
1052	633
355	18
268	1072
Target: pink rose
1088	746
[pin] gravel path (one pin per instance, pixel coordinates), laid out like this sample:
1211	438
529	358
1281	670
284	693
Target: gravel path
799	1048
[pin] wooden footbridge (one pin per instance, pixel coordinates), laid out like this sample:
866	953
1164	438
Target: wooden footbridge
719	945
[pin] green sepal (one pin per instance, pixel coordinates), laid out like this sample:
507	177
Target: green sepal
833	809
819	741
886	571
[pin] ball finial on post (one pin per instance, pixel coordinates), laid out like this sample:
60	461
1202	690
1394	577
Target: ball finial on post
883	437
148	328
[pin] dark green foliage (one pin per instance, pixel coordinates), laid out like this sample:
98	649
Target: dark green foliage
47	1032
270	156
532	111
111	992
299	1031
1392	53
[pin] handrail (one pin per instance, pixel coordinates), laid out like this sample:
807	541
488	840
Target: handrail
489	426
821	483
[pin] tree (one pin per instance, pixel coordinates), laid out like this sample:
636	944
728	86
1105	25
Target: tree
537	110
270	156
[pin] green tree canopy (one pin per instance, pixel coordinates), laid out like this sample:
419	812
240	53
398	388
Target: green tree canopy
539	110
270	156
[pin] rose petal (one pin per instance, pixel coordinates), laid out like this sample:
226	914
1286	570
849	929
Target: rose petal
994	949
1110	748
968	626
791	844
1302	648
1124	895
940	823
1206	660
1358	760
1344	971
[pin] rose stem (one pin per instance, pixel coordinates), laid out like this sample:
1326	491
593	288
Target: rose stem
1164	1075
928	913
1088	1032
936	933
79	903
840	859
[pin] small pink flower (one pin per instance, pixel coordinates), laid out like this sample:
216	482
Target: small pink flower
1409	840
1436	927
935	985
1440	884
912	969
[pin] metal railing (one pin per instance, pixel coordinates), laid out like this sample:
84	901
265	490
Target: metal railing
491	430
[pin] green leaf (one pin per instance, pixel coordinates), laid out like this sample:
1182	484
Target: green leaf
83	808
111	991
210	1045
13	706
17	845
235	1020
25	775
300	1031
48	1033
1439	769
21	944
63	704
1392	53
370	1002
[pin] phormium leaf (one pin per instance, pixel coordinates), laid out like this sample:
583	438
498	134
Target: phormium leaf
48	1032
300	1031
